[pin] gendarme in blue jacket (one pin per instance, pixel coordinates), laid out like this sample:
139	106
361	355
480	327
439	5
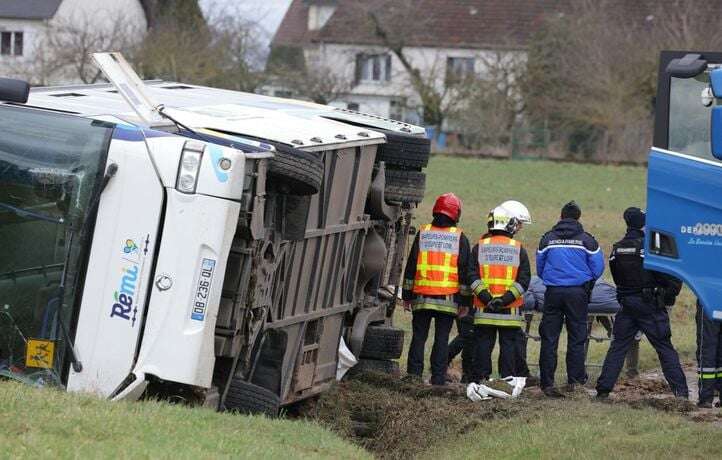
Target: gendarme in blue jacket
568	256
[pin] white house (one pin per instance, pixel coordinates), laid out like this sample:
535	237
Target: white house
457	38
26	27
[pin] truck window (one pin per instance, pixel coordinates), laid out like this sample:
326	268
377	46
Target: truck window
689	119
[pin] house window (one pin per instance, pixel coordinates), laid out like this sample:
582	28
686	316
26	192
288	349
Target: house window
459	68
11	43
373	67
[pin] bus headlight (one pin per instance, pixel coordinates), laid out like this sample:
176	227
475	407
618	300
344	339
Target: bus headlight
189	165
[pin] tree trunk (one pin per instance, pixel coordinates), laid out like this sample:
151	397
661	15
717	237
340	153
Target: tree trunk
186	12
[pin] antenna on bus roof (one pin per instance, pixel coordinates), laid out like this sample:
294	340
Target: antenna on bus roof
117	70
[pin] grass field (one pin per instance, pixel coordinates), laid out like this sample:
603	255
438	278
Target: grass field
603	193
585	430
39	423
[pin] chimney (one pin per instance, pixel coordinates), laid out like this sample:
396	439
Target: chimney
319	12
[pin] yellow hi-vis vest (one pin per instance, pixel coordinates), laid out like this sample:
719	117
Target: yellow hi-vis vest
498	266
437	269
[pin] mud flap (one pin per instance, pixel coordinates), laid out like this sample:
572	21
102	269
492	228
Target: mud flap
346	360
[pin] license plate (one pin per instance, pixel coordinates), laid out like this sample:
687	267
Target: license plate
203	290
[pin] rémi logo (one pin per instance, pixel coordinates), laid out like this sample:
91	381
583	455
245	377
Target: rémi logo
124	306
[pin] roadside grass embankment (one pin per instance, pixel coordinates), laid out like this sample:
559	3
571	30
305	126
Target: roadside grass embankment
45	423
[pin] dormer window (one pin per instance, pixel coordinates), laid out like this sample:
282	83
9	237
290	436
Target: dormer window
319	13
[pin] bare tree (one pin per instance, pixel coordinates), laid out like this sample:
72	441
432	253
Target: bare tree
397	30
185	12
224	52
592	71
315	82
492	103
63	50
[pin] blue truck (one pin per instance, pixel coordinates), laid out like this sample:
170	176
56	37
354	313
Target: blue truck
684	187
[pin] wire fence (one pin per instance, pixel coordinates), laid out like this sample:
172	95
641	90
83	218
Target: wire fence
627	144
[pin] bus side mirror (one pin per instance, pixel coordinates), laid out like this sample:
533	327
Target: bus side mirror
716	132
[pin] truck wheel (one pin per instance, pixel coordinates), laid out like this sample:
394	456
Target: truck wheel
247	398
378	366
295	171
405	151
405	186
382	342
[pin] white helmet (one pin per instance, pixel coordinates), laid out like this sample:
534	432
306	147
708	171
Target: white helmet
518	210
500	218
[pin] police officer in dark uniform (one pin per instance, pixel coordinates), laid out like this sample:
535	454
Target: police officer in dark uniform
709	357
644	295
569	261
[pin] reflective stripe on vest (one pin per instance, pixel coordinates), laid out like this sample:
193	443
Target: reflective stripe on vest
437	271
499	258
444	305
511	319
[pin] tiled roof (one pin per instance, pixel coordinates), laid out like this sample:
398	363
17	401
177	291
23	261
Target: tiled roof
451	23
28	9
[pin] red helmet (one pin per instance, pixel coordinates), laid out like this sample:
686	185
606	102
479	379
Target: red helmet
449	205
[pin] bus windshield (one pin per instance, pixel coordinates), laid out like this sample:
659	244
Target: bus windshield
51	166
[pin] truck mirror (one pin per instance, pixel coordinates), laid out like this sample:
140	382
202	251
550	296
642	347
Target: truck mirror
715	82
689	66
12	90
716	132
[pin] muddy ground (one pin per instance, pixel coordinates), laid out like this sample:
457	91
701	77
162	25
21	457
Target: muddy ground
393	418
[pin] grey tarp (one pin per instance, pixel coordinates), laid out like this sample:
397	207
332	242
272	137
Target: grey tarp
604	297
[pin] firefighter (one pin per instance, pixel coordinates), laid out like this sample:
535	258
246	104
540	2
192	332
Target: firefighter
644	295
709	357
436	286
465	344
501	275
521	212
568	261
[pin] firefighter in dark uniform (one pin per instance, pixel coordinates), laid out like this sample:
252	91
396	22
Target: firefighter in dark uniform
644	295
436	286
500	276
709	357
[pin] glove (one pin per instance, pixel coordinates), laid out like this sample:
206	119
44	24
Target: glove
495	305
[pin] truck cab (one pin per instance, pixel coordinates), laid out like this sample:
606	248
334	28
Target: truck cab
684	218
